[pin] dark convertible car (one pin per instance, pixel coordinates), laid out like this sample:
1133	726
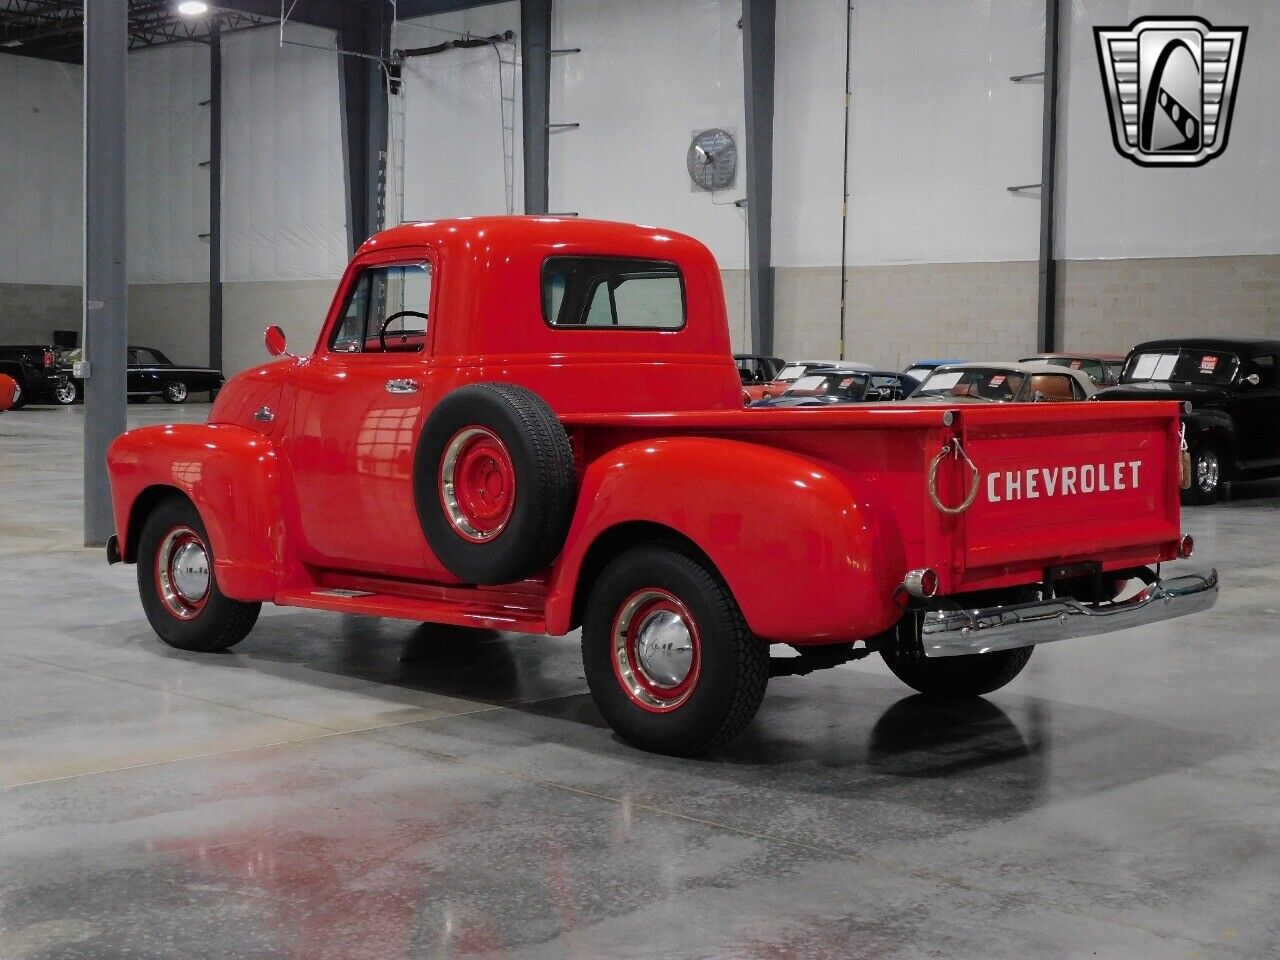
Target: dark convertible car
151	374
1232	387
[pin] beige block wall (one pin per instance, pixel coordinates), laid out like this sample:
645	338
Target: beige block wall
1109	305
902	313
30	312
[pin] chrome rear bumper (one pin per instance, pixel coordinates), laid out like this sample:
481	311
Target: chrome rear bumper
952	633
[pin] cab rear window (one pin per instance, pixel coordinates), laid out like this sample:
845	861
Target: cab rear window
612	293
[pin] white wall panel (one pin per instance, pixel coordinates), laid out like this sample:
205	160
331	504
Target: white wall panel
649	75
167	139
454	161
40	171
939	132
1113	208
283	189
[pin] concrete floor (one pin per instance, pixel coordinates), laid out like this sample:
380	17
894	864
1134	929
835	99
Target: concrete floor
348	788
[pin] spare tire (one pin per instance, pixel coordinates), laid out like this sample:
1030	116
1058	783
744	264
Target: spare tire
494	483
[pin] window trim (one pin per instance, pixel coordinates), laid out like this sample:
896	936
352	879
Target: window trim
671	264
330	335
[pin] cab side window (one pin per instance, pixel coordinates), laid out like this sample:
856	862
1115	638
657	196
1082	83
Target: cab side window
386	311
612	293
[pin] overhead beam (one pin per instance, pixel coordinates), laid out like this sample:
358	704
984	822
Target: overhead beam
105	315
758	19
535	80
1048	337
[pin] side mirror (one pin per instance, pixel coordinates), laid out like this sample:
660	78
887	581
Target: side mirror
277	343
8	392
1253	379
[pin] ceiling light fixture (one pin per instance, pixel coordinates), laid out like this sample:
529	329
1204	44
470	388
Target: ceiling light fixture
193	8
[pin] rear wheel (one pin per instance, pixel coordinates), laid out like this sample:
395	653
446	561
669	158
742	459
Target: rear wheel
668	656
178	585
176	392
1206	476
949	678
65	393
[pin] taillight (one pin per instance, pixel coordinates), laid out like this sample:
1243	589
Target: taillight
48	359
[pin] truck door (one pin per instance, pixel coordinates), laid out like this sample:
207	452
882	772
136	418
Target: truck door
1258	423
361	402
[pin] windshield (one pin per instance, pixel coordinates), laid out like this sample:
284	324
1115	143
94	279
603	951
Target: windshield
846	385
919	373
984	382
1093	368
793	372
1181	365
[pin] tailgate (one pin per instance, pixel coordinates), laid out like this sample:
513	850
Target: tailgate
1068	483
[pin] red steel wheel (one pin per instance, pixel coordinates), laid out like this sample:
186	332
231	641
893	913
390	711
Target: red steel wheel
477	484
657	652
182	573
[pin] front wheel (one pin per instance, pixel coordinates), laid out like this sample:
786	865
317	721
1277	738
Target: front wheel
179	587
176	392
949	678
669	659
1206	476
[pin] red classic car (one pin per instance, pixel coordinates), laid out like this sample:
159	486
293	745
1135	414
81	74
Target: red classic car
1102	368
8	392
536	424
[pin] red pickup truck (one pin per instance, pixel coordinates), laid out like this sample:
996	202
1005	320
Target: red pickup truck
536	424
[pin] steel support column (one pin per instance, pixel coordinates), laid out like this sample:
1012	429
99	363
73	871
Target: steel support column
105	317
535	81
1047	334
215	194
363	86
758	17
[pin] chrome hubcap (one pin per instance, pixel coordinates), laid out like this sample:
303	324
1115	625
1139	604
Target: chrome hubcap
182	573
664	648
177	391
66	392
656	650
1207	472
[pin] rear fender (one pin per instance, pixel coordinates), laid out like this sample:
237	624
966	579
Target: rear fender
1217	428
231	474
797	546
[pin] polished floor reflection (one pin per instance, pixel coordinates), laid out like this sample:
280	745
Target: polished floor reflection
346	788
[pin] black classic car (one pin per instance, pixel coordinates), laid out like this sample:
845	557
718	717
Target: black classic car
826	387
34	369
151	374
1232	388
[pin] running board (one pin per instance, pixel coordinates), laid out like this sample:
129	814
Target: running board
469	613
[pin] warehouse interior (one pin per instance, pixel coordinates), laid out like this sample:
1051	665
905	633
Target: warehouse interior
914	179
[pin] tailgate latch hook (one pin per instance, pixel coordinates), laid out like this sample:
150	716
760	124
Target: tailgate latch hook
953	448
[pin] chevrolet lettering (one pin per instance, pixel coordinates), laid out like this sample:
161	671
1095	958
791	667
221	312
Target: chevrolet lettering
1066	481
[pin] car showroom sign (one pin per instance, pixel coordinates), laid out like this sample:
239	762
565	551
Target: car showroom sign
1170	84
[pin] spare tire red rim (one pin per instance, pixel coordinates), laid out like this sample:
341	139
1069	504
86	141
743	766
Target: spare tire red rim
657	653
477	484
182	573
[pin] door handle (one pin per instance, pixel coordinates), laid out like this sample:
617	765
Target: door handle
402	386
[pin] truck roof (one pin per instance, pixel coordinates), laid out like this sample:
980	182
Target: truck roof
490	284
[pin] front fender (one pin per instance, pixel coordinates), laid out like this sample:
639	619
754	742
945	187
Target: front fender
231	474
798	548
